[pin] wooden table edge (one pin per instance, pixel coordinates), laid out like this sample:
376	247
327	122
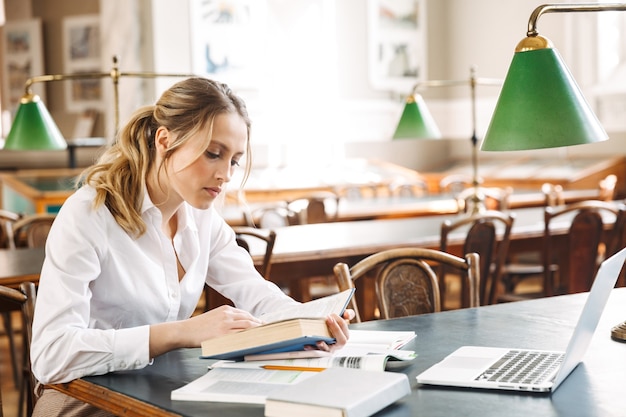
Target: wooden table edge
111	401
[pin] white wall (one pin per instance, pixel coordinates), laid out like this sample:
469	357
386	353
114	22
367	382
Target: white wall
356	120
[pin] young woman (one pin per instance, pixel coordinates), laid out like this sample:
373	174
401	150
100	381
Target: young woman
130	251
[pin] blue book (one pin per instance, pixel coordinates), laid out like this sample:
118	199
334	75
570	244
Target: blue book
287	331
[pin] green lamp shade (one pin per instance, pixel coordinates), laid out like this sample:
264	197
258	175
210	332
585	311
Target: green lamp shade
416	121
540	106
33	128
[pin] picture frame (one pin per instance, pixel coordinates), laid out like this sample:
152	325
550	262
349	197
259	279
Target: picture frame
23	59
227	41
397	44
81	54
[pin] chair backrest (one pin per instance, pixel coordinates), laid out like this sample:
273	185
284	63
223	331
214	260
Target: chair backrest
586	233
32	230
415	188
406	282
358	191
455	183
493	198
7	223
244	235
319	207
25	297
606	187
482	238
553	194
279	215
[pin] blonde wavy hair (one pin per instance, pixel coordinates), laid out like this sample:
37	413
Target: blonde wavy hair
120	173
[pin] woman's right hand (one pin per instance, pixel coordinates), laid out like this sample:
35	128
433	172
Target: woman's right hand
191	332
219	321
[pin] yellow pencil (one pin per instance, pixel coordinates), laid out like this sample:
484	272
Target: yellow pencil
292	368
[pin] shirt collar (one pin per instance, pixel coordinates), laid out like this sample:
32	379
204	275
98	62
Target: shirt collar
184	213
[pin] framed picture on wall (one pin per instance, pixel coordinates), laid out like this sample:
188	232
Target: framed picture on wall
81	54
227	42
23	59
397	44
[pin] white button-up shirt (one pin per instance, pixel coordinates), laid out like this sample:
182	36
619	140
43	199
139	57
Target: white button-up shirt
100	288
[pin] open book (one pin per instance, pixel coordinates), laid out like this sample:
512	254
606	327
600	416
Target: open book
284	331
253	381
367	350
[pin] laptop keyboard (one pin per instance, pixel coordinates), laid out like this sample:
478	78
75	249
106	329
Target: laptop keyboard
523	367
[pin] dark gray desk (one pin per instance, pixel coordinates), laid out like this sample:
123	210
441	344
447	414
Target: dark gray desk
20	265
595	388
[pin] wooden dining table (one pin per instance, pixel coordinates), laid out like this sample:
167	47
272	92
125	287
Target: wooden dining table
309	250
386	207
20	265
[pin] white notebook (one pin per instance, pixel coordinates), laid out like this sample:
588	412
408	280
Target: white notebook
475	366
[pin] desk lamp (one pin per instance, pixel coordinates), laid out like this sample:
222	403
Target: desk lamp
540	105
33	127
417	122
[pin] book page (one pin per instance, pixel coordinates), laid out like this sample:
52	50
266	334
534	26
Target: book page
250	386
318	308
363	360
367	362
379	340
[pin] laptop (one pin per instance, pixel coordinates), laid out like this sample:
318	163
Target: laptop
525	369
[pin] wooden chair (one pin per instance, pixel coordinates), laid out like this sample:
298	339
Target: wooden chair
7	224
606	188
319	207
405	279
553	194
584	248
481	238
7	241
245	236
415	188
358	191
493	198
454	184
24	299
32	230
528	264
278	215
27	231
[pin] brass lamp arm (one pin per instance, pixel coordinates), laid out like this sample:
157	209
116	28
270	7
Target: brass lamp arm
60	77
577	7
470	82
115	74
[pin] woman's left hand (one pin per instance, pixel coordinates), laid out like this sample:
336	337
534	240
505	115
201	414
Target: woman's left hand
339	329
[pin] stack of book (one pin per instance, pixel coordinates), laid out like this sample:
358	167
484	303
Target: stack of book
270	365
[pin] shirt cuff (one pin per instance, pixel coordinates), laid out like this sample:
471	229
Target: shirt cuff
131	348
